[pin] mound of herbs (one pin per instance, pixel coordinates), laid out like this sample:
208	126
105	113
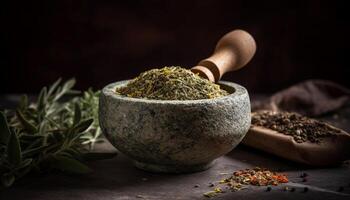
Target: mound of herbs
171	83
57	132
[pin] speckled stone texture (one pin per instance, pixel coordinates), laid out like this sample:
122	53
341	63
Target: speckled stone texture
175	136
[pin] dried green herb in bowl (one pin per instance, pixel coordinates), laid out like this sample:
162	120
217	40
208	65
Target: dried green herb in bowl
171	83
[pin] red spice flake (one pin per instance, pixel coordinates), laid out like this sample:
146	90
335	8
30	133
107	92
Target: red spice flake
257	176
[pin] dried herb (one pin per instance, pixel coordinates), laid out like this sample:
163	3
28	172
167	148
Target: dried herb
213	193
257	177
49	134
171	83
301	128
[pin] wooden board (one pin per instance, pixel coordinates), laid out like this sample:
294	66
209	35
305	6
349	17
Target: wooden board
330	151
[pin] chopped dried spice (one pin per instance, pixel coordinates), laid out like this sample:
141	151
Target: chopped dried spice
301	128
210	194
257	177
171	83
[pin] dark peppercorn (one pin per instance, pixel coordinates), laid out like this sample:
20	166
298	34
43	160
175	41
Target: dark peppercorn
196	186
211	185
304	180
268	189
306	189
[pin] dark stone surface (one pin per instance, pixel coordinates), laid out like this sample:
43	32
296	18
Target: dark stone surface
117	179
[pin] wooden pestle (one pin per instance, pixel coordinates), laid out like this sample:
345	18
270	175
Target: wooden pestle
232	52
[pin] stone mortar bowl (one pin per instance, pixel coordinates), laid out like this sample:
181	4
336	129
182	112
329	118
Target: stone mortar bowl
174	136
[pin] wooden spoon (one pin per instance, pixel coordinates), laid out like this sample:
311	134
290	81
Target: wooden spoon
233	51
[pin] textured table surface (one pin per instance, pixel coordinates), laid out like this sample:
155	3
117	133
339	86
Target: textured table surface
118	179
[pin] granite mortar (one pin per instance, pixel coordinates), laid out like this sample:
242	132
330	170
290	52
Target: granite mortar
174	136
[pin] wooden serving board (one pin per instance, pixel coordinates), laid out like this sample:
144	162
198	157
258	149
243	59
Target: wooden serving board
330	151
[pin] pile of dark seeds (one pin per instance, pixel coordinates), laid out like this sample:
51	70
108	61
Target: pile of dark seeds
301	128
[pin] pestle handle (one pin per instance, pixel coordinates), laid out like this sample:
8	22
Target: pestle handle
232	52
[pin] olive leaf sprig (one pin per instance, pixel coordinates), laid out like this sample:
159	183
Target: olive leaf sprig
50	134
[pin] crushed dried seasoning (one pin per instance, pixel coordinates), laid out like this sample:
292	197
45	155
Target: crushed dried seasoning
256	177
171	83
301	128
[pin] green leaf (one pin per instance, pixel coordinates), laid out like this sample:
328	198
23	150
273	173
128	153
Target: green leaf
42	99
77	114
23	165
26	162
25	123
7	179
35	143
70	165
53	87
23	103
69	84
66	88
4	129
98	156
14	150
31	152
83	125
27	137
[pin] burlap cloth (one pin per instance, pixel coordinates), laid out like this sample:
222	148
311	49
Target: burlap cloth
310	98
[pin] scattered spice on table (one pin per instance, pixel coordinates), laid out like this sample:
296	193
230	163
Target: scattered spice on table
256	177
301	128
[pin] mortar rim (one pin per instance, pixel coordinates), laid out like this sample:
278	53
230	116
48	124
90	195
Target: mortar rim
110	91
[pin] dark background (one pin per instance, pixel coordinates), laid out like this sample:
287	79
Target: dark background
99	42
